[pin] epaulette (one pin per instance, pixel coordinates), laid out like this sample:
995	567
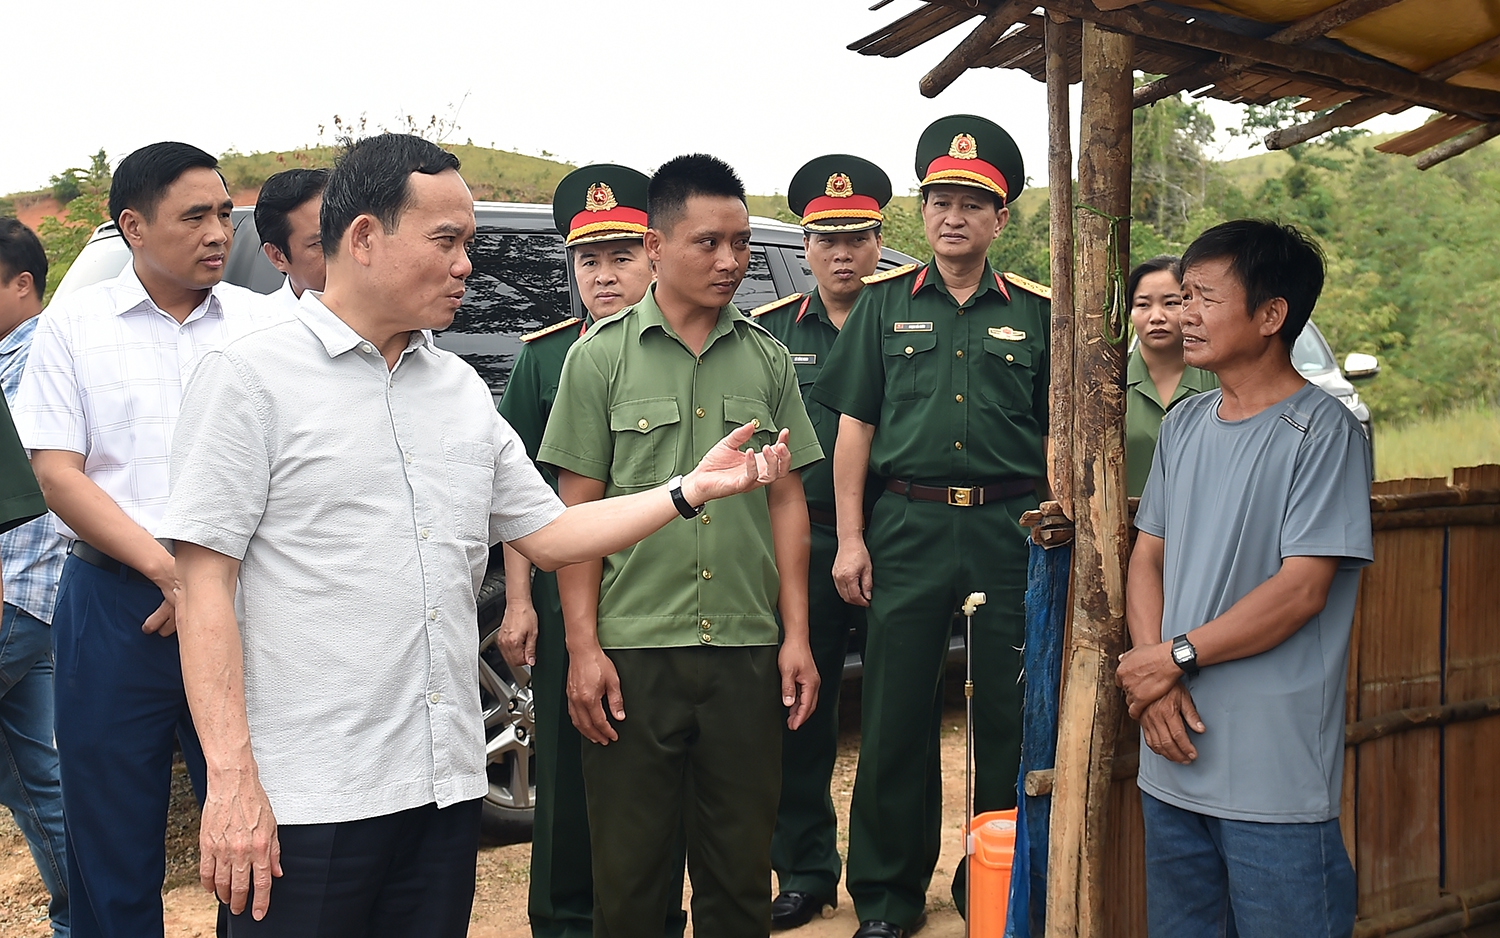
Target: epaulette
1030	286
891	274
548	330
774	304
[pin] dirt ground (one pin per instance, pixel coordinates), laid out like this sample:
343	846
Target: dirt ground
500	900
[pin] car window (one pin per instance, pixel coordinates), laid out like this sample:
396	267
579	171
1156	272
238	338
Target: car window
519	284
101	259
758	288
796	261
1310	354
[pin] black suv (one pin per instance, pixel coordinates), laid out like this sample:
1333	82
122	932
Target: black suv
521	282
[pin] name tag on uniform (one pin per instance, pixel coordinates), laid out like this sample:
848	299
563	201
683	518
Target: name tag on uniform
1008	334
804	359
913	327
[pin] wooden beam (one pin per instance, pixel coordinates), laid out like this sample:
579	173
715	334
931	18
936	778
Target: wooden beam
1060	212
1393	922
1089	716
1399	721
1325	21
1342	69
1463	144
1186	79
1474	515
978	42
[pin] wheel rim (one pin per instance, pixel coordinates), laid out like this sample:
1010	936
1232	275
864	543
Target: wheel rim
509	725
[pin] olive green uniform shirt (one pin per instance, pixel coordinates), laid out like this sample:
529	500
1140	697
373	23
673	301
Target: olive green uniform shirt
532	388
20	497
804	328
635	407
957	393
1144	413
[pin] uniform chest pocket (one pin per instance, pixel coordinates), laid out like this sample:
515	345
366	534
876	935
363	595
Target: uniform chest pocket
471	487
645	436
739	411
1008	376
911	365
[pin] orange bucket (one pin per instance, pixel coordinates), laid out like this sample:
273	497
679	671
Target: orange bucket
989	872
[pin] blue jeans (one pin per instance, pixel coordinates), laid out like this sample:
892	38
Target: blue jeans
1208	877
28	759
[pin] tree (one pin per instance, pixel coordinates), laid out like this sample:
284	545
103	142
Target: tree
63	237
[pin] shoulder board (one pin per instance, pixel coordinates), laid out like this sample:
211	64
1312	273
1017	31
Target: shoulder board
774	304
1030	286
548	330
891	274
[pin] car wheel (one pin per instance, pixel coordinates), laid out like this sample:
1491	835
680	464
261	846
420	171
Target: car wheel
509	721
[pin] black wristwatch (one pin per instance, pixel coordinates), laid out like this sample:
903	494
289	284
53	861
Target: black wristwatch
1184	655
674	486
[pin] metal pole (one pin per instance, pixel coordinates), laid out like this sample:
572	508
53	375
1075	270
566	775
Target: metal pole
971	603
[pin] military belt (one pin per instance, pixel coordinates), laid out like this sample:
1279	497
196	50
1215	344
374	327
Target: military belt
962	496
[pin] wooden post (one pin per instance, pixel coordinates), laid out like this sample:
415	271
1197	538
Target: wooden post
1089	717
1060	210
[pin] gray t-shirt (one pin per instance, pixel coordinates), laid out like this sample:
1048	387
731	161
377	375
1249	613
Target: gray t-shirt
1232	499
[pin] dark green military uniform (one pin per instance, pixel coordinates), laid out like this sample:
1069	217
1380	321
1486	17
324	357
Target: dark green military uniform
1144	413
20	498
804	850
595	203
958	396
688	616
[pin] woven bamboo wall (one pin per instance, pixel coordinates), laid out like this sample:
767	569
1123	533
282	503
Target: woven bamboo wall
1421	813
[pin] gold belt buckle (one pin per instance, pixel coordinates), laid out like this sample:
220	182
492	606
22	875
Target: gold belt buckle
961	496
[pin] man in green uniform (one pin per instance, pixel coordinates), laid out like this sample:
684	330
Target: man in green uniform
839	199
681	629
20	497
600	211
941	377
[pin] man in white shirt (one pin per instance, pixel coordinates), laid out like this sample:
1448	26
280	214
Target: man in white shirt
351	477
286	218
97	407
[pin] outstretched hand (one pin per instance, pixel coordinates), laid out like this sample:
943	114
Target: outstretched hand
725	470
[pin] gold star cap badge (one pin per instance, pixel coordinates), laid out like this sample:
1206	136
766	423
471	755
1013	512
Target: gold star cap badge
963	148
601	198
839	186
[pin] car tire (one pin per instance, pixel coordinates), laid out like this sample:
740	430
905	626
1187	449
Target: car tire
509	720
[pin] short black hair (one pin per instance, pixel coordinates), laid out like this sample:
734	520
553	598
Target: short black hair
683	177
1270	260
143	177
281	195
1156	264
21	252
372	178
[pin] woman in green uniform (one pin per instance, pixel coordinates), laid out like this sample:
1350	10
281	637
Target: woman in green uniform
1156	378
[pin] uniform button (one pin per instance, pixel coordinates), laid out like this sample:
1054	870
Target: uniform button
435	697
708	574
705	519
959	398
755	423
958	445
642	423
704	624
407	457
1010	358
705	638
701	412
366	347
959	353
960	312
909	350
432	614
426	534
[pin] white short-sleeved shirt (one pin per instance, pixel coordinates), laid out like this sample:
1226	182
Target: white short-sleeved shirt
362	502
105	378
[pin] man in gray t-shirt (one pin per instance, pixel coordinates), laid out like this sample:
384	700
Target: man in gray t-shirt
1253	526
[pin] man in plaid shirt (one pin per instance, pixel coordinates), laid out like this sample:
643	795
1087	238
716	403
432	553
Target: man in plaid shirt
31	557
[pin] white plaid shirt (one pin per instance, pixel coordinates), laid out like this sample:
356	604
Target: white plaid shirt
105	380
32	554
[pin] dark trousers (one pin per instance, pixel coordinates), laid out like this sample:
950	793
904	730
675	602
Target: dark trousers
403	875
120	707
804	850
927	557
561	901
700	747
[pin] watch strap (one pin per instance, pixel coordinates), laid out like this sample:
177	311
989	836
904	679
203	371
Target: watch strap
674	487
1184	655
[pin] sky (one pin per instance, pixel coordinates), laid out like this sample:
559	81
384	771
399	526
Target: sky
765	84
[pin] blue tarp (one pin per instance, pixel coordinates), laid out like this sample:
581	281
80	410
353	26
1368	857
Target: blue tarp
1046	617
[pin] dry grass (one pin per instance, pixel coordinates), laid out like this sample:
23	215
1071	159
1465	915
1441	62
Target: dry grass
1468	436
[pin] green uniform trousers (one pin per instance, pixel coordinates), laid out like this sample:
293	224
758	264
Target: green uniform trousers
700	746
804	850
561	902
927	557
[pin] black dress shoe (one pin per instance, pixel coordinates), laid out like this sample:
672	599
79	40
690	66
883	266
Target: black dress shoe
874	928
795	909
